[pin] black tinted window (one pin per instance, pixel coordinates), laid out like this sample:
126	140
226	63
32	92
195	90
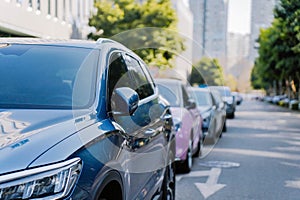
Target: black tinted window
118	75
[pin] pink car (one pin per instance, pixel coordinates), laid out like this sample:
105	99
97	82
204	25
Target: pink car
187	121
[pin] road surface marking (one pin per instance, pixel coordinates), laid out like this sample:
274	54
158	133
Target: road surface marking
210	187
293	184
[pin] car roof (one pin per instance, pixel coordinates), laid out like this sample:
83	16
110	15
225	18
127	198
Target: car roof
220	87
168	81
199	89
56	42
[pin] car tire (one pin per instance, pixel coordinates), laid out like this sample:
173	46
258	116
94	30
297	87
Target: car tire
231	116
224	129
221	134
168	187
188	162
199	148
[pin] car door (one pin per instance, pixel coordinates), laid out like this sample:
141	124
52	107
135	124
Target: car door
190	105
144	152
215	116
220	113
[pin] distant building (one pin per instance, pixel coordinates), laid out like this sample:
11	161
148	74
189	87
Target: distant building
197	8
261	17
238	48
215	30
210	29
46	18
237	60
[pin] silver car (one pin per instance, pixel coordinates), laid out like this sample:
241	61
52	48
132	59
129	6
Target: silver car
212	110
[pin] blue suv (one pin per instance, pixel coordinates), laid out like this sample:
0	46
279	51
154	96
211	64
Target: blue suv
81	120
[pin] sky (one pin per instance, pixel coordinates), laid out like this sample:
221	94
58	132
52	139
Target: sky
239	16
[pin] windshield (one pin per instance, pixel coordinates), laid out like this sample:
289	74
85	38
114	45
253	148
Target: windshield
171	93
37	76
223	91
202	98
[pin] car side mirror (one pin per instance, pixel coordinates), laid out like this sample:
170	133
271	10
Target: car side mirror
124	101
191	104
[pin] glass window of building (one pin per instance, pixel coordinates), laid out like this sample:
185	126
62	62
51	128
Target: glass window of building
49	7
38	5
56	8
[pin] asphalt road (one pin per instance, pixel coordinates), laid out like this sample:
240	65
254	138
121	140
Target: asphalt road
258	158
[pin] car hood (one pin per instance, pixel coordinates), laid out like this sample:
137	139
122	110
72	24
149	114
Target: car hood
27	134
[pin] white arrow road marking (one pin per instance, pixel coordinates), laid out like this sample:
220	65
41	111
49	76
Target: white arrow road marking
208	190
293	184
210	187
194	174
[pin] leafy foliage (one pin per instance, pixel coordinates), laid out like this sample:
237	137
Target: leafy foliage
128	22
279	51
207	71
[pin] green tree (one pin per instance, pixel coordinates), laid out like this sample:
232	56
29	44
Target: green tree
207	71
128	22
279	51
265	71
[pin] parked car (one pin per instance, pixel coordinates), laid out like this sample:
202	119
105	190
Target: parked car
81	120
276	99
228	98
212	111
238	98
294	104
187	121
284	102
267	99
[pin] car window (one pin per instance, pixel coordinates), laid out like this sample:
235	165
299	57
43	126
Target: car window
143	86
171	92
217	96
225	92
168	95
44	76
203	98
118	75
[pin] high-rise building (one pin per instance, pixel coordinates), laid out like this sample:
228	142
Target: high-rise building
197	8
46	18
210	29
237	59
261	17
215	29
237	48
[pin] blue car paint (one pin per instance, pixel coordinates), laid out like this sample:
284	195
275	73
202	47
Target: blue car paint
50	136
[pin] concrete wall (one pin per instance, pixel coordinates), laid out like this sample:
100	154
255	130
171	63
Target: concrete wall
46	18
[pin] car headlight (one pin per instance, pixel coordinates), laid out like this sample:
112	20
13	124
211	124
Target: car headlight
47	182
